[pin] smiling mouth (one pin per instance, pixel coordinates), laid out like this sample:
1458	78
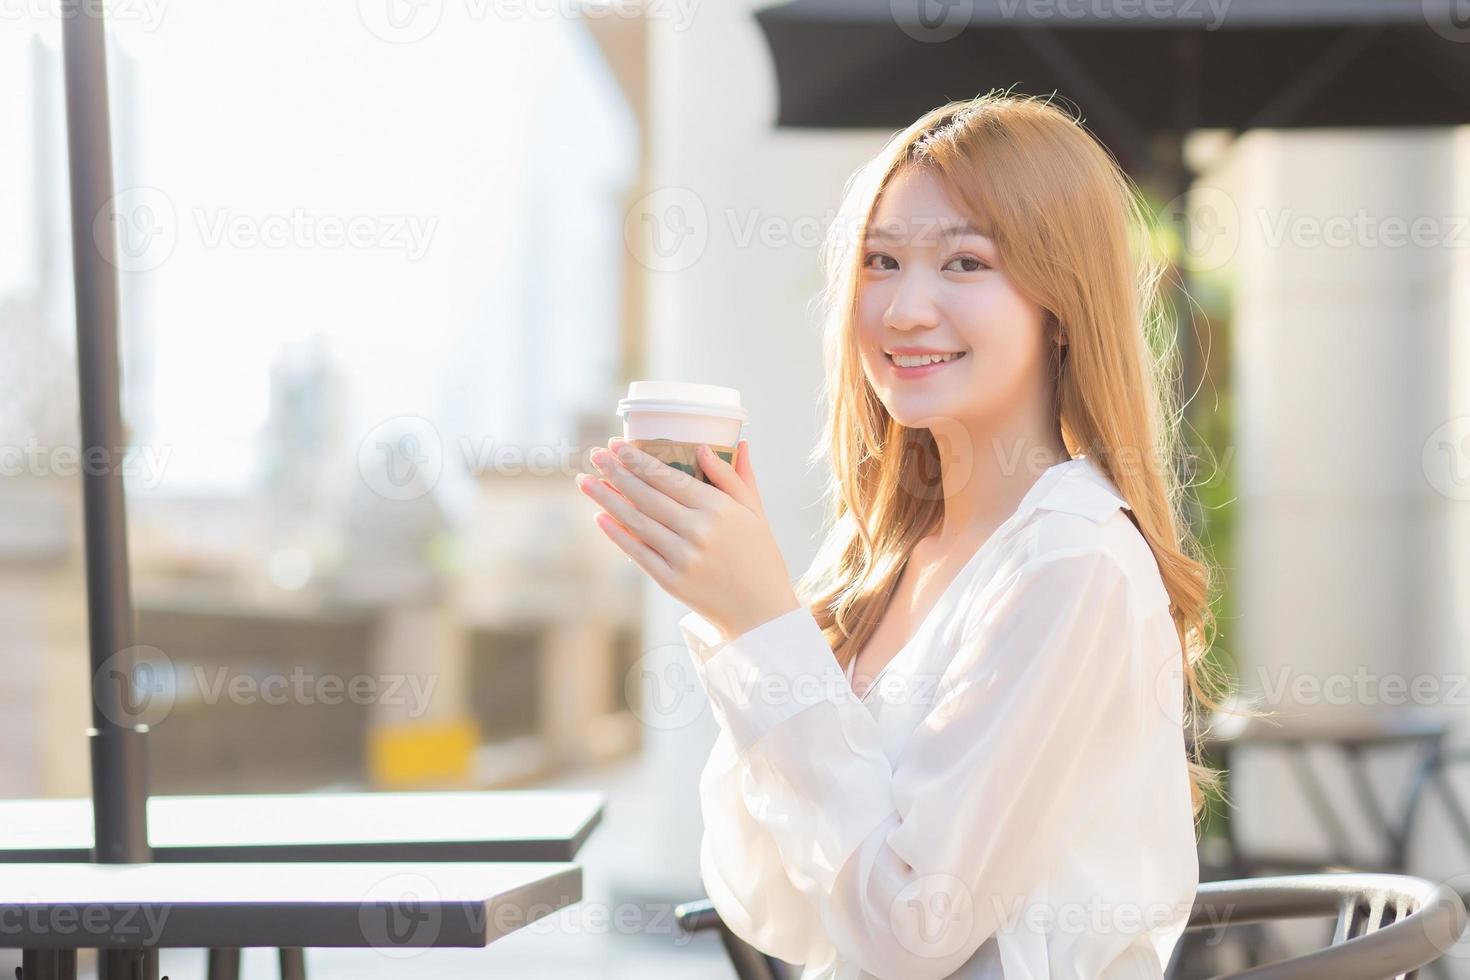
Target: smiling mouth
921	360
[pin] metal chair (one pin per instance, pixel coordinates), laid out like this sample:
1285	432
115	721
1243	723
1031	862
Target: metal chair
1388	926
1354	741
749	962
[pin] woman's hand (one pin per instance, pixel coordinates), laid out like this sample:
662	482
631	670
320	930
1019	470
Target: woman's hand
707	546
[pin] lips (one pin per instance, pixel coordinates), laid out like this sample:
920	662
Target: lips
922	370
948	356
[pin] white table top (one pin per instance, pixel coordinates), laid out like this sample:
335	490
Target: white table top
461	826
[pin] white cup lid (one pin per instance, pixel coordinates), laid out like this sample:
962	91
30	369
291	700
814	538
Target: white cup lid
682	396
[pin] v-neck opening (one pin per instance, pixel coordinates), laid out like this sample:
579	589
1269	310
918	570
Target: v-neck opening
1021	508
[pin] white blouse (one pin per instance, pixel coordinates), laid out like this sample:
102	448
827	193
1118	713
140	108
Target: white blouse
1009	798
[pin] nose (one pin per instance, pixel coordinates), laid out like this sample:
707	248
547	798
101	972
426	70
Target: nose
912	306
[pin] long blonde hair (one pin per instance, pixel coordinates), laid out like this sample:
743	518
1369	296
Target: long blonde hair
1072	235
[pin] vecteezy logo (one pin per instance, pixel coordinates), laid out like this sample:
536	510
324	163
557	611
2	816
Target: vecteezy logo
662	690
1208	225
400	21
933	915
1446	459
931	21
1439	929
400	916
402	458
1450	19
135	686
1169	684
138	227
666	230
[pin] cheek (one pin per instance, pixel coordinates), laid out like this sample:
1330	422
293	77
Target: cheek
868	319
996	320
868	307
1000	371
1005	337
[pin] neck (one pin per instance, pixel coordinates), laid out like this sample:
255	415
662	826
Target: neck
997	461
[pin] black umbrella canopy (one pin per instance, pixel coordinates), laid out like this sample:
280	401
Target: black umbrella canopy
1135	68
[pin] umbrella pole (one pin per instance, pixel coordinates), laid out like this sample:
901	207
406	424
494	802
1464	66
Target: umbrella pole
119	767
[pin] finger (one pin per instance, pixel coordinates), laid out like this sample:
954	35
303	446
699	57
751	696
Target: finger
676	483
678	486
725	477
641	554
746	469
640	525
647	499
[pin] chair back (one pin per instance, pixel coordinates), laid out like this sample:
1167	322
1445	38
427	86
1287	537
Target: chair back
1388	926
749	962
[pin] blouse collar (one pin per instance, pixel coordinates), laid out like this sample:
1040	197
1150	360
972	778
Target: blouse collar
1074	486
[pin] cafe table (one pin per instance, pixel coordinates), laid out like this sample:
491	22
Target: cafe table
517	825
52	910
482	826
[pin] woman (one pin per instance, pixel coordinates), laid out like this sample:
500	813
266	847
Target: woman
956	747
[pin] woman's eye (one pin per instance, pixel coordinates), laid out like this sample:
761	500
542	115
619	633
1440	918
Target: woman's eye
968	262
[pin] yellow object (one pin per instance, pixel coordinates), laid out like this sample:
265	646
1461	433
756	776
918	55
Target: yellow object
422	753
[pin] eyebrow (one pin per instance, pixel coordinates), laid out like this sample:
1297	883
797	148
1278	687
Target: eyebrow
947	230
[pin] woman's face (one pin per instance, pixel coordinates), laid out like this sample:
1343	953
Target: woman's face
931	283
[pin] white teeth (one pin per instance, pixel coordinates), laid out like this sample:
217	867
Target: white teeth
919	360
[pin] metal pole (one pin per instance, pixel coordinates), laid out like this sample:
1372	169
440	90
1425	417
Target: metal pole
119	768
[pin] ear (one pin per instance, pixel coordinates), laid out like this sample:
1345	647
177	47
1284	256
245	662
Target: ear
1058	333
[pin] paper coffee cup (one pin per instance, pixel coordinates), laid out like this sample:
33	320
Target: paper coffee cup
669	420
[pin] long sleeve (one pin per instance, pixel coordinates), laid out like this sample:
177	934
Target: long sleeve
741	867
911	866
